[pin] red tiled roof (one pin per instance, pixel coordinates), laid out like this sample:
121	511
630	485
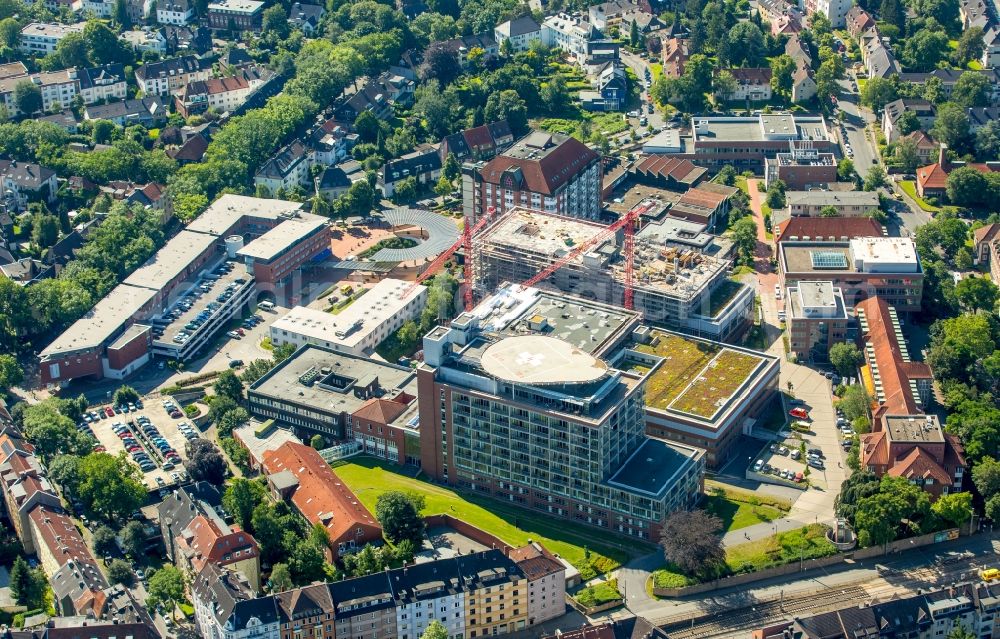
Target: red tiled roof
874	449
986	233
752	75
932	176
919	464
478	137
380	411
709	196
208	543
894	372
837	227
663	166
321	496
535	562
922	139
548	172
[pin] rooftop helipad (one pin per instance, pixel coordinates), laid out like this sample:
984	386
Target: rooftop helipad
539	359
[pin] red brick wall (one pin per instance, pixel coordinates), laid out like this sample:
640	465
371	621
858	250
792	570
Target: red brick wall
431	459
72	367
797	177
128	353
469	531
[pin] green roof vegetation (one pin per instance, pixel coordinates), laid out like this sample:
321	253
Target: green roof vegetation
685	359
722	377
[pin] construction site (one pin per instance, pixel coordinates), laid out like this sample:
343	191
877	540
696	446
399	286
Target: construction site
671	284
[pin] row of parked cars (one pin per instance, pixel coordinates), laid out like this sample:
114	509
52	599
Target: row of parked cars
104	412
248	324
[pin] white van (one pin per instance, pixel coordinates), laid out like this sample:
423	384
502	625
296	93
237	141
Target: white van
266	306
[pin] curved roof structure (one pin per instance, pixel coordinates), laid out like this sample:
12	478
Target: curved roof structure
541	360
441	234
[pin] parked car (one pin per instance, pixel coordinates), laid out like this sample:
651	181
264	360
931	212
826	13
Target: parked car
799	413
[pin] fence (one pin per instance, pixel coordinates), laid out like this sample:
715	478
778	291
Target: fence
470	531
593	610
810	564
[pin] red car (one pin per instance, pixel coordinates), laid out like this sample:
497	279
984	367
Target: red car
110	412
134	449
799	413
99	449
241	331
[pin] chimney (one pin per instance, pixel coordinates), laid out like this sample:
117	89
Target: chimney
943	156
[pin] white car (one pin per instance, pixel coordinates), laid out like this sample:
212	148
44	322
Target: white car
777	292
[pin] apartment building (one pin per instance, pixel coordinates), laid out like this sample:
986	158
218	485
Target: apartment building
40	38
424	165
102	84
542	171
220	95
916	448
478	143
26	181
845	203
546	577
57	88
817	319
169	76
175	12
521	32
833	10
235	15
524	406
886	267
480	594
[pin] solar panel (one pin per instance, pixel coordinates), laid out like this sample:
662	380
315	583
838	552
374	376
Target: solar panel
828	259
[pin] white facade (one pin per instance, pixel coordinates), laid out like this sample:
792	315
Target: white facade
546	598
360	327
176	13
412	618
57	88
146	40
38	38
566	32
107	90
884	255
834	10
520	40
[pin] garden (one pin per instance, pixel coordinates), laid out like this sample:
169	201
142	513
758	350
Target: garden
740	508
706	394
591	551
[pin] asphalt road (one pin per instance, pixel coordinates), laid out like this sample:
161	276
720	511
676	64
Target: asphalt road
855	118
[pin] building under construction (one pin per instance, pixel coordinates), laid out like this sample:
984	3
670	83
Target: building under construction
674	284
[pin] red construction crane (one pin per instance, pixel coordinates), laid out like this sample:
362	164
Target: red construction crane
465	241
627	222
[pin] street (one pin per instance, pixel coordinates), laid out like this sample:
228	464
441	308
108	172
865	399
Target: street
855	118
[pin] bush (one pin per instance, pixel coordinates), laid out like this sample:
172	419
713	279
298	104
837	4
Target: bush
670	577
192	411
599	594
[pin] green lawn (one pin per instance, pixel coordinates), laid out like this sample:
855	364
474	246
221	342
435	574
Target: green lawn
369	478
739	508
808	542
910	188
671	577
656	70
602	593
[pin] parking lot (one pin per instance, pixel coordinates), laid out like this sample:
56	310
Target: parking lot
142	431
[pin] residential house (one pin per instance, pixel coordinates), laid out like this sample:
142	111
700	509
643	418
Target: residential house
191	151
927	148
378	97
26	181
786	25
478	143
220	95
187	39
168	76
979	116
149	112
334	182
752	84
616	14
991	47
521	32
288	168
40	38
546	577
949	77
878	58
139	10
151	196
894	110
848	204
464	45
974	13
296	472
104	83
24	483
208	539
858	21
146	39
424	166
225	606
834	10
235	15
798	51
803	85
612	90
27	271
675	56
572	34
65	119
175	12
57	88
932	179
97	8
983	237
331	142
916	448
306	17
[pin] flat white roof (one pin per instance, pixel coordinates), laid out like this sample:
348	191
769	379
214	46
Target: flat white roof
219	218
884	250
539	359
380	304
271	244
102	321
171	260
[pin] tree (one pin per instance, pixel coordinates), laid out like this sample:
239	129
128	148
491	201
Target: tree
845	170
120	14
103	45
745	239
829	211
724	85
26	585
907	154
228	385
977	294
205	462
104	540
775	198
125	395
10	373
241	498
555	95
443	187
782	69
878	92
966	187
441	64
27	97
986	477
951	126
854	402
875	178
970	46
405	190
925	49
275	20
45	230
908	123
451	170
954	508
317	442
367	126
120	572
306	562
133	540
959	631
845	357
110	486
988	140
231	420
508	105
972	89
892	11
166	587
399	514
691	541
281	578
436	629
10	33
745	45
